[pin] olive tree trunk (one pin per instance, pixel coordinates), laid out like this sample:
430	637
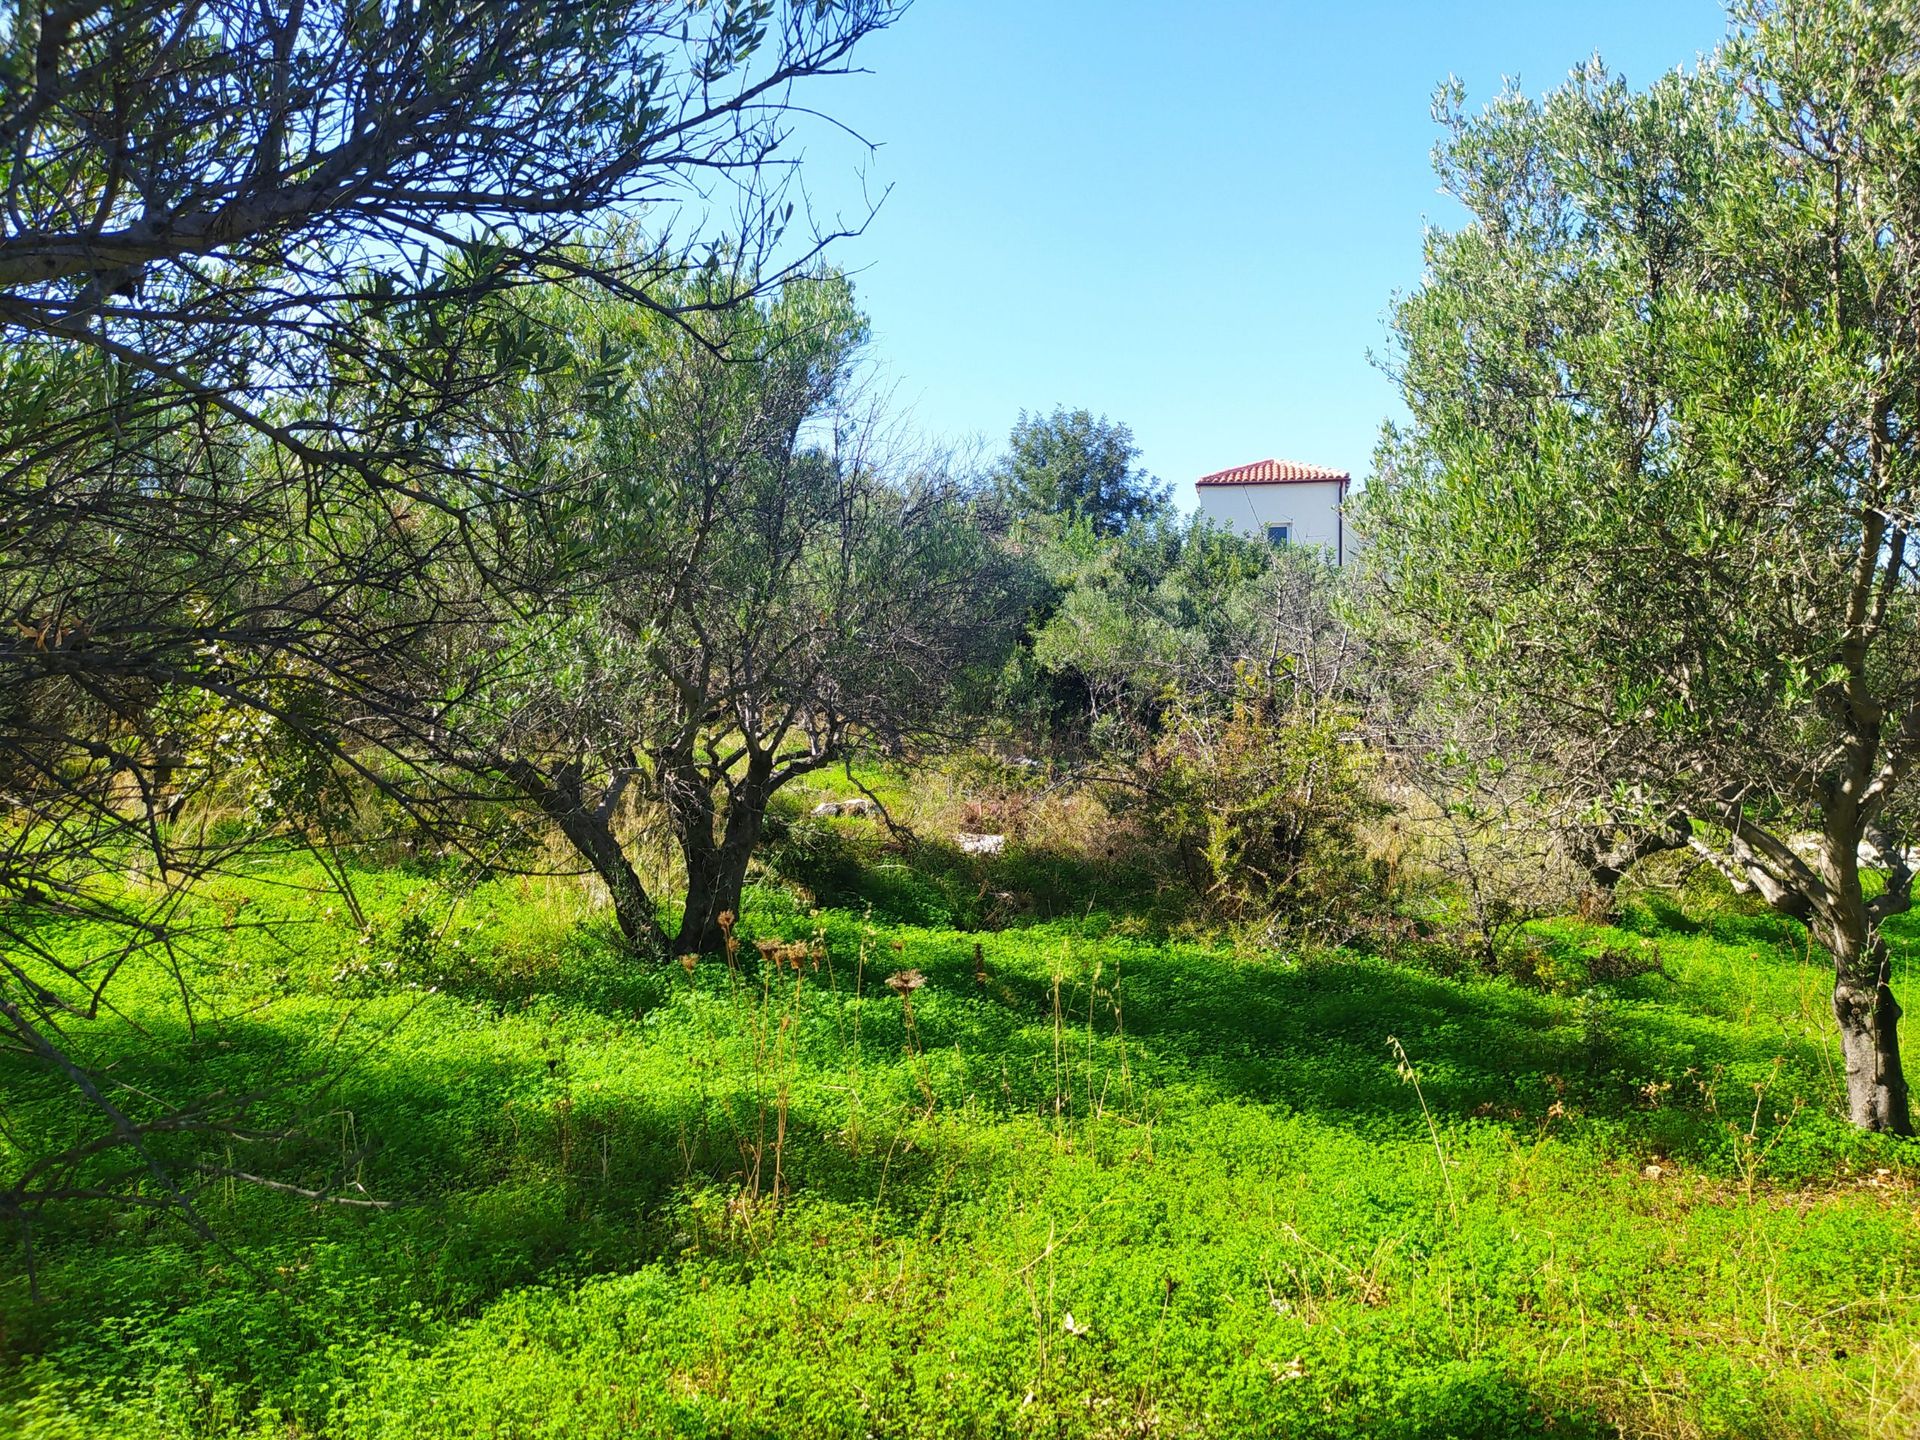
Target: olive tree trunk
715	850
1609	850
1823	890
1849	925
1869	1019
589	829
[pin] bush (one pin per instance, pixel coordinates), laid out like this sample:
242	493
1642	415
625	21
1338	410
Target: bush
1263	800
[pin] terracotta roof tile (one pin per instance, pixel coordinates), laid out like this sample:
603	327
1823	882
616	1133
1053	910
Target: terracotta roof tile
1274	472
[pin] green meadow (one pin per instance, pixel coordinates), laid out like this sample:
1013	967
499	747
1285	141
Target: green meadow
1072	1175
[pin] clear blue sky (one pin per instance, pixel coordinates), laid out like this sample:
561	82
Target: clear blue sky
1190	217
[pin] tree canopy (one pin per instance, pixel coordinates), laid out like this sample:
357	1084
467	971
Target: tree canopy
1078	468
1657	488
756	581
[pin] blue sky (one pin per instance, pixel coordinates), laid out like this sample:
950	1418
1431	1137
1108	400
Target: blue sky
1189	217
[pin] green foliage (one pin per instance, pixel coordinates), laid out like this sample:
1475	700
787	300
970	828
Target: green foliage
274	764
1263	798
1071	467
1164	604
1655	496
1656	427
1098	1182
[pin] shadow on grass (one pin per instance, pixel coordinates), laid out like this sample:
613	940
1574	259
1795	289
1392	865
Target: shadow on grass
852	865
1310	1039
503	1170
540	1127
1314	1039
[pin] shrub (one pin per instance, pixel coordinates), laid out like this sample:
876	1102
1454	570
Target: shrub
1263	800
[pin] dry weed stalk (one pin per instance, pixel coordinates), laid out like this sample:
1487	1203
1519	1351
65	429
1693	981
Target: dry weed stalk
1409	1076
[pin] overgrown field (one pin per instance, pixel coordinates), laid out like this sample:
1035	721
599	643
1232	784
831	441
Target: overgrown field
1086	1179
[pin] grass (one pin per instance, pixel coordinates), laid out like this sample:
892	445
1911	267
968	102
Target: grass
1087	1180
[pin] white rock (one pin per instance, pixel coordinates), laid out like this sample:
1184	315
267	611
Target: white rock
972	844
859	805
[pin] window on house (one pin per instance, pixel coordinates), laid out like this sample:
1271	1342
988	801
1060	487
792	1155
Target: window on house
1279	535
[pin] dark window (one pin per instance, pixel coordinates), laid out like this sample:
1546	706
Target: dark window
1279	535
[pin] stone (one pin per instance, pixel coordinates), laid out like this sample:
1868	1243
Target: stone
858	805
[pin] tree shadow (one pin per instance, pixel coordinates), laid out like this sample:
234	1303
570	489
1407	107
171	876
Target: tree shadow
519	1163
504	1173
1314	1039
932	882
1310	1038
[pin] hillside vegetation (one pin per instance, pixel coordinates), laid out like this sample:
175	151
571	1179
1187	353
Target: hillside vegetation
1086	1179
567	869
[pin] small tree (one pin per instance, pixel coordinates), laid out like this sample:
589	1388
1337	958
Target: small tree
1658	486
1286	777
760	586
1261	797
1125	620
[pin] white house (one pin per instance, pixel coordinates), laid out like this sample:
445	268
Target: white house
1280	501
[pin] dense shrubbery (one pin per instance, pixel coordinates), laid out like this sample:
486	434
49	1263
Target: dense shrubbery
1264	801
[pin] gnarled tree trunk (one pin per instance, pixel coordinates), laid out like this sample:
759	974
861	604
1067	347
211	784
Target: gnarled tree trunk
1823	890
589	830
1863	1004
1608	851
716	851
1869	1020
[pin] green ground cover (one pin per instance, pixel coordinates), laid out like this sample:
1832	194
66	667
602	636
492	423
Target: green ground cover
1086	1180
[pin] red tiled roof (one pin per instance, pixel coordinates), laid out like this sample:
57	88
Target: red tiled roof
1274	472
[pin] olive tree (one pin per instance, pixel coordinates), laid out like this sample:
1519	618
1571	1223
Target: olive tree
760	583
248	254
1072	466
1657	487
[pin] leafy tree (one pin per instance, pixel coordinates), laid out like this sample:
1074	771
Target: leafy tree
1077	468
1259	774
247	260
1124	620
1658	486
1212	684
759	589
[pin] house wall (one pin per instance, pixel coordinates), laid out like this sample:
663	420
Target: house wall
1311	507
